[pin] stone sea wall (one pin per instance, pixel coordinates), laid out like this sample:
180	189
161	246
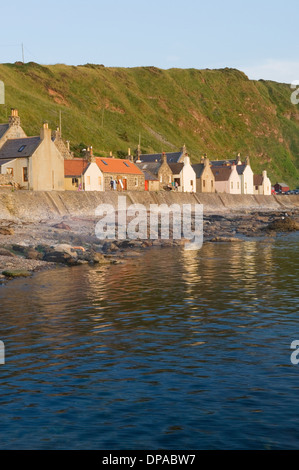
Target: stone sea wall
42	205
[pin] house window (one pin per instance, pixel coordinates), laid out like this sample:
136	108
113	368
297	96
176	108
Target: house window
212	183
21	148
125	163
232	185
100	181
256	187
161	179
25	174
88	180
204	183
245	185
169	179
191	183
136	181
9	171
75	182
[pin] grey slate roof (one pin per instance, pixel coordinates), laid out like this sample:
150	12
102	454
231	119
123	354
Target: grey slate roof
3	129
222	162
222	173
198	168
150	167
148	176
11	148
257	180
176	168
240	169
172	157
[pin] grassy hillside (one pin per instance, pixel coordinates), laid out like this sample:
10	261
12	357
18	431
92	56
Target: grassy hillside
218	112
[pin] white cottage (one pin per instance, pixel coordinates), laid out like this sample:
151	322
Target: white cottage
79	174
262	184
246	177
184	175
227	179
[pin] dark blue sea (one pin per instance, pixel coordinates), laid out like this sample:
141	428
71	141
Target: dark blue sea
171	350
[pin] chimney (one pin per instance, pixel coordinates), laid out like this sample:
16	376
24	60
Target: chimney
164	157
14	118
89	155
186	159
130	157
68	145
45	133
264	173
206	161
56	134
247	161
238	159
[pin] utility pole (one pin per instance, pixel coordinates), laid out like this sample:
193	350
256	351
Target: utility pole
23	53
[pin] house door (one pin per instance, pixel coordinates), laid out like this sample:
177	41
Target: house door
177	183
125	184
146	185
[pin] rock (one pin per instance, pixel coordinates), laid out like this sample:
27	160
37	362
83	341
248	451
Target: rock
59	257
147	243
4	252
65	248
16	273
31	253
98	258
284	224
225	239
6	231
62	254
62	226
43	249
19	248
110	246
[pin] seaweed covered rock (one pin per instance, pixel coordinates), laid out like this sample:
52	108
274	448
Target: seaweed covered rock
284	224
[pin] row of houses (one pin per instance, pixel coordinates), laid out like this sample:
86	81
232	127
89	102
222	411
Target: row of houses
216	176
45	163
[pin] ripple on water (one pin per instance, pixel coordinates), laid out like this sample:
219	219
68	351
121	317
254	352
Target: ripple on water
171	350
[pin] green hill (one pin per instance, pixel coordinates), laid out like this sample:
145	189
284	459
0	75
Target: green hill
217	112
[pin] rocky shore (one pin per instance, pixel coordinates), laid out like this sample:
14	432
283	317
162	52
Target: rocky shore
27	247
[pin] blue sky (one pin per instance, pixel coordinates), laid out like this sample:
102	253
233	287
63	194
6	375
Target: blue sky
257	37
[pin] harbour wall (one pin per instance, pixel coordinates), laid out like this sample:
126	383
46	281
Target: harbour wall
43	205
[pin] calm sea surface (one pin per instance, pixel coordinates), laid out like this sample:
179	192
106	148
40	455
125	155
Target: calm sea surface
172	350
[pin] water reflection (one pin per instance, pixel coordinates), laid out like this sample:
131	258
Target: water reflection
203	336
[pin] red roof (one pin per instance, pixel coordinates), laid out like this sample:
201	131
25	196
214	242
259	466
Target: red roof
117	165
75	167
